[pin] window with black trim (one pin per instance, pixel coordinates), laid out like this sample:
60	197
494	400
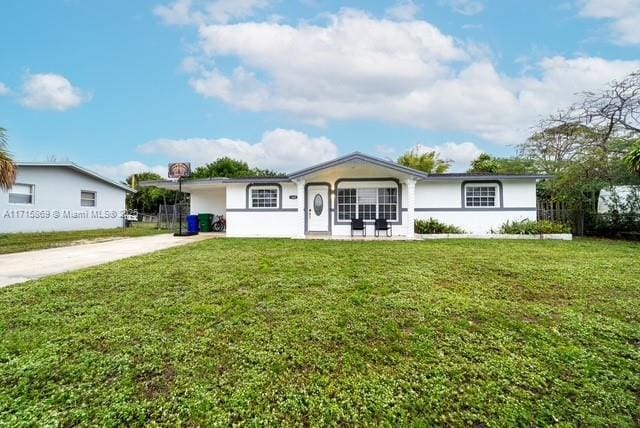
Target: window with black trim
346	204
264	197
480	195
367	203
21	194
388	203
87	198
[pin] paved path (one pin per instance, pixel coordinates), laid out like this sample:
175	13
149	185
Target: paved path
21	267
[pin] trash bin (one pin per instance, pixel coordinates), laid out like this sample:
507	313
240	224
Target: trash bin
192	223
205	221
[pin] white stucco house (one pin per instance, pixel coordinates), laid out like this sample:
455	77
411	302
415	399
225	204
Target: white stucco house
624	194
322	199
61	196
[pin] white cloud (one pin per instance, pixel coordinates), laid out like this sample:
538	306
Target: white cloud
282	150
4	89
178	13
187	12
464	7
408	72
623	17
51	92
460	154
403	11
121	171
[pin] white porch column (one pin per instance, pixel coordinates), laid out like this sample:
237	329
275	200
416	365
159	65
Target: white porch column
411	206
301	211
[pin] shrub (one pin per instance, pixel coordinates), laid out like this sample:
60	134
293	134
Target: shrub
434	226
622	216
530	227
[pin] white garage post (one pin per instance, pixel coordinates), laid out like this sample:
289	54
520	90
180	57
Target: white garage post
301	212
411	206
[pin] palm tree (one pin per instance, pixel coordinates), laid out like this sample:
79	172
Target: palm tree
7	167
428	162
632	159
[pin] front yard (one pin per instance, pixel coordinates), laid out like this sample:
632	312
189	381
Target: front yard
17	242
269	332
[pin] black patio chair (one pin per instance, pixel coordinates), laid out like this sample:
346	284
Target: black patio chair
358	224
382	224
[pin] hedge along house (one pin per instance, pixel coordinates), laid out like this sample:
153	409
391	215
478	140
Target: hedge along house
322	199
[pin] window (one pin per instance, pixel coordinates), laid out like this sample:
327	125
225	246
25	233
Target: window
346	204
388	203
368	203
264	197
480	196
87	198
21	194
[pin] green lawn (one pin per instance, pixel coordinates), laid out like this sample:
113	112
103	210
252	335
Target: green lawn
16	242
270	332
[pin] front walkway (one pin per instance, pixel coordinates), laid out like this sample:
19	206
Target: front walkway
21	267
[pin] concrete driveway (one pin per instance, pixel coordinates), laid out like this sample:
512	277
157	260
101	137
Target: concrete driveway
21	267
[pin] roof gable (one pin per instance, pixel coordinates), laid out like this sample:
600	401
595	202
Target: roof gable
361	157
79	169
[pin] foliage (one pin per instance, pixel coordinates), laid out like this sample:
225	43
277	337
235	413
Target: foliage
147	199
530	227
584	146
623	215
231	168
18	242
487	164
434	226
632	159
325	333
8	169
428	162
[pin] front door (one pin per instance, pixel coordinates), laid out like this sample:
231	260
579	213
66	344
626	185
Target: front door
318	208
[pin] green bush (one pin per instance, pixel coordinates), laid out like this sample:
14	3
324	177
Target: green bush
530	227
623	215
434	226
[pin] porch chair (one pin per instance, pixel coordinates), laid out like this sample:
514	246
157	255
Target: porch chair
358	224
382	224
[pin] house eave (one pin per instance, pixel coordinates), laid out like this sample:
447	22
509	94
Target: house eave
76	168
206	182
475	177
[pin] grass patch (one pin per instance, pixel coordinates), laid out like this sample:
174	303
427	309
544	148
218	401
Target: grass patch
17	242
284	332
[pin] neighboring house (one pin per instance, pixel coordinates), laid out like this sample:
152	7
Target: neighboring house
56	196
324	198
623	194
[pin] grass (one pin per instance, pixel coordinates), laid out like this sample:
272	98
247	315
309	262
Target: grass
17	242
282	332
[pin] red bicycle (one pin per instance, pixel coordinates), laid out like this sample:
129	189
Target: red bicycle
219	224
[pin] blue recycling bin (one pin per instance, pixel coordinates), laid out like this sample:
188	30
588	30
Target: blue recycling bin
192	224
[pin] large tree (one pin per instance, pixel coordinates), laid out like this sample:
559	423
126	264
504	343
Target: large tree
8	168
428	162
230	168
147	199
585	145
487	164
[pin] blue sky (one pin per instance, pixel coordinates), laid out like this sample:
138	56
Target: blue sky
124	86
